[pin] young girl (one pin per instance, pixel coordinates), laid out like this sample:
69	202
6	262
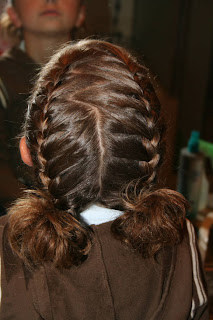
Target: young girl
97	238
36	29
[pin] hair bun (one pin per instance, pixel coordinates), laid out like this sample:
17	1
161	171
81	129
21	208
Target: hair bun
152	220
46	233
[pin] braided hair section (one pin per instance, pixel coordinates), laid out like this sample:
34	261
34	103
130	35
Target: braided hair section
95	134
154	217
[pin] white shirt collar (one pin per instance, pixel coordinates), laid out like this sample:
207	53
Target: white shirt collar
22	46
96	214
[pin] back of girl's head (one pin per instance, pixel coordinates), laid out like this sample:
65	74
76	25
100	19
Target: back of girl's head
94	131
93	125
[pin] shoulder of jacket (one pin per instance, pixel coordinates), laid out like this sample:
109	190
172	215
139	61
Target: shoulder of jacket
3	222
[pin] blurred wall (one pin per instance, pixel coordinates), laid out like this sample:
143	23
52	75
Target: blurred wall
155	35
122	12
197	63
2	4
175	37
98	20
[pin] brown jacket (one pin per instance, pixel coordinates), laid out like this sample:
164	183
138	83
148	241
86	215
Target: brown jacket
113	283
17	74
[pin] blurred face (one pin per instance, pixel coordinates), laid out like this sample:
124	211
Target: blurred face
48	16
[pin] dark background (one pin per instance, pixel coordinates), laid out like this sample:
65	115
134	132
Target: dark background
175	38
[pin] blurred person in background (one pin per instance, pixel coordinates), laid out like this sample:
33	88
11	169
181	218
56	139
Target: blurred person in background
34	29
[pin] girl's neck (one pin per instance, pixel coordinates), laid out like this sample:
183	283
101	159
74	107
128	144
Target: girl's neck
40	48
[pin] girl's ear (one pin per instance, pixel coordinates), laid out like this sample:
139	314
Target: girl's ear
25	152
14	17
81	16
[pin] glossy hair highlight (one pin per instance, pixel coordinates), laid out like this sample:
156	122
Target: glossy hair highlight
95	133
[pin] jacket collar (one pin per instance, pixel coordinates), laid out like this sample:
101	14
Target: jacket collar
96	214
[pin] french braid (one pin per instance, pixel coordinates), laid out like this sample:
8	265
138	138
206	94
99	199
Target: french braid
153	143
44	99
153	218
95	133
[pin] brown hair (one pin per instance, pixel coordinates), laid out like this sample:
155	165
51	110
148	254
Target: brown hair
94	131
